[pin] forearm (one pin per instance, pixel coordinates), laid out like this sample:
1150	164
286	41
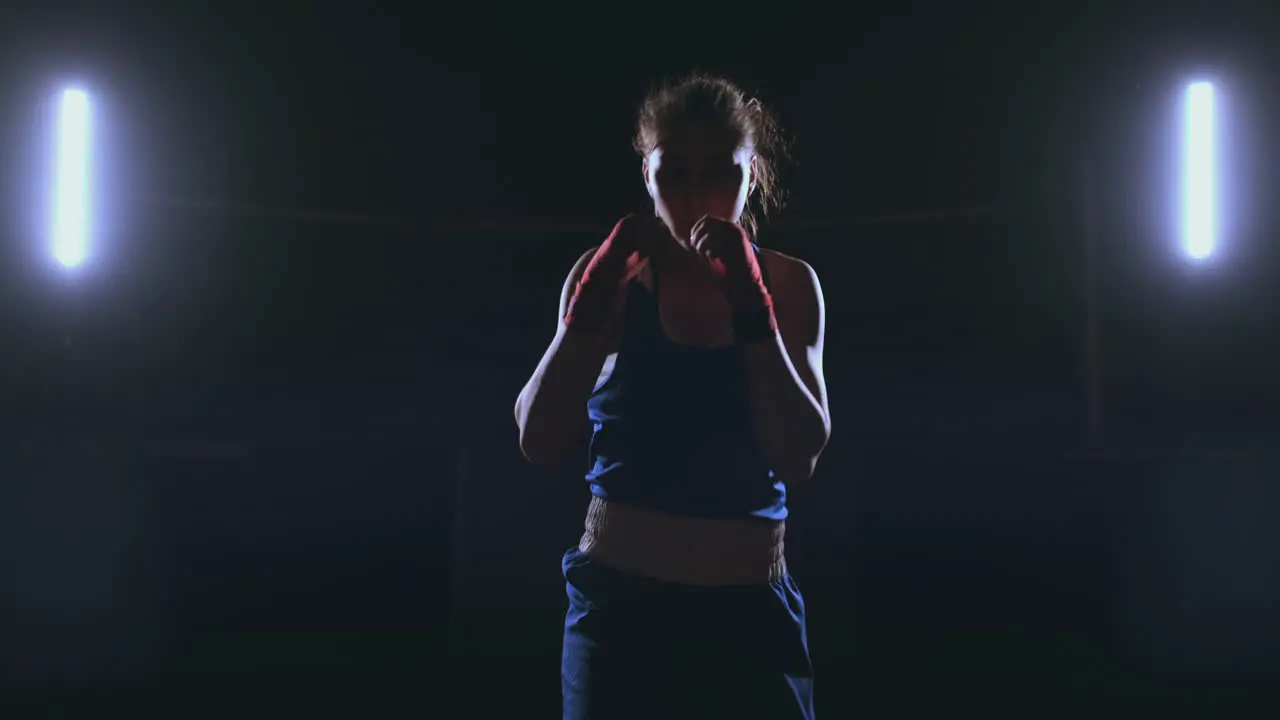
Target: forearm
550	410
789	421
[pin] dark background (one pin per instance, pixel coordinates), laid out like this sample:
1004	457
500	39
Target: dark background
258	454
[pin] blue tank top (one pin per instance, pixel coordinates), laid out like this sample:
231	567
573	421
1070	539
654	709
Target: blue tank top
672	428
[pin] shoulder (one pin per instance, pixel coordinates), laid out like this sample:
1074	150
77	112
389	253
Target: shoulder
791	277
576	272
571	281
797	298
579	267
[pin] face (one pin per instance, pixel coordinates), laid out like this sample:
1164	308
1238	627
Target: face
699	170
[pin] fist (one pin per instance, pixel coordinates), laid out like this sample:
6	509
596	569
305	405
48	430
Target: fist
626	251
725	245
732	257
641	234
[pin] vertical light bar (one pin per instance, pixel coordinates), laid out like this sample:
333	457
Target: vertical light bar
1199	204
71	217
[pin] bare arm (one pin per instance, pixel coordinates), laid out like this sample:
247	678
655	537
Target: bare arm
787	387
551	409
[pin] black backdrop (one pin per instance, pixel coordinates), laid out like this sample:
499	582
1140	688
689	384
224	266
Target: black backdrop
267	466
305	483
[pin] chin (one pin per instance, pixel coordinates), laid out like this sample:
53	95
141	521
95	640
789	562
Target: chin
681	238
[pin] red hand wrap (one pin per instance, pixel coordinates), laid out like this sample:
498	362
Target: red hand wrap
596	294
753	317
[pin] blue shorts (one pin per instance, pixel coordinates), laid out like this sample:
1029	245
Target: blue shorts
635	647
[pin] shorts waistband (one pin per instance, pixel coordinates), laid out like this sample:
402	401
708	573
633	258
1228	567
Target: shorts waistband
691	551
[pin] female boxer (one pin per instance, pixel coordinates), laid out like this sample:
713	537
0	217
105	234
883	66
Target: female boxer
698	359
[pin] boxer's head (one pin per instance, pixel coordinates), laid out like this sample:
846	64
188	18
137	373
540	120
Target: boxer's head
708	149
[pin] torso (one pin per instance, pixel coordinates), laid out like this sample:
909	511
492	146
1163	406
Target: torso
691	309
736	519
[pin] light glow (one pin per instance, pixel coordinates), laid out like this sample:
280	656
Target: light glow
1199	171
71	217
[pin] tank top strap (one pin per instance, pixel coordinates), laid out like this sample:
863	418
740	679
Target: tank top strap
640	317
764	270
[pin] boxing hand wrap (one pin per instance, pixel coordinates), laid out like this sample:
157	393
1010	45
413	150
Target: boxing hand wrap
753	316
591	307
596	294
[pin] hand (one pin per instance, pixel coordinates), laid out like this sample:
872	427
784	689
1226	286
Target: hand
595	302
634	241
620	257
728	249
726	246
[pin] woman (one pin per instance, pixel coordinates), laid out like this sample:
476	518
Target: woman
698	358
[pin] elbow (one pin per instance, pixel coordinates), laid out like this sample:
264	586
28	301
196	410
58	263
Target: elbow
541	442
537	453
539	448
796	471
795	459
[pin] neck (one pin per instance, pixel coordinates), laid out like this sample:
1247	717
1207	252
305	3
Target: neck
679	266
